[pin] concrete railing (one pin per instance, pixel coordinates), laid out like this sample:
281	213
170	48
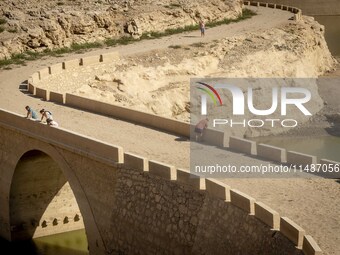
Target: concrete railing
296	11
147	119
327	168
211	136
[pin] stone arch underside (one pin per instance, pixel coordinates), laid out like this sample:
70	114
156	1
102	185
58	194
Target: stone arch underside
14	145
41	199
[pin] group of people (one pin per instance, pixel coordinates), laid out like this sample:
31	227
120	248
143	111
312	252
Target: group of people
32	114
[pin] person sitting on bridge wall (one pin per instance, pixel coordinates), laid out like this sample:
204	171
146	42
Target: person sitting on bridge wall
31	113
46	114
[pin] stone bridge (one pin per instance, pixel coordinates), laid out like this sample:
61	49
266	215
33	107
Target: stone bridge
53	180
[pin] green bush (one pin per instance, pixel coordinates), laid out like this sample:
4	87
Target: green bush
198	44
12	30
175	46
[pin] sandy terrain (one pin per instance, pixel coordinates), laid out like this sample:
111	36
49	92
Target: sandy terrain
312	203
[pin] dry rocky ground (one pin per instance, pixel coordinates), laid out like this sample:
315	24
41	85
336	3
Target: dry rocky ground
40	25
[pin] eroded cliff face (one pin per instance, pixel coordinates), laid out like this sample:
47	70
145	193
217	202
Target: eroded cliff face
158	81
39	25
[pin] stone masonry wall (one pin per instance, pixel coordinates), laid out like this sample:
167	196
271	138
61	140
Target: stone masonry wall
154	216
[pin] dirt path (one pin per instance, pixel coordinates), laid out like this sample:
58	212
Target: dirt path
314	204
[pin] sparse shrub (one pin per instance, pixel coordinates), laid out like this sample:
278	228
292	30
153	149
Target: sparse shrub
198	44
172	6
2	21
120	41
12	30
2	29
175	46
84	46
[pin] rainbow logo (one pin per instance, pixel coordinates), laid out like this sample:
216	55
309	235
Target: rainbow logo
208	89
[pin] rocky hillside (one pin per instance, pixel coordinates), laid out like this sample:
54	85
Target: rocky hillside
37	25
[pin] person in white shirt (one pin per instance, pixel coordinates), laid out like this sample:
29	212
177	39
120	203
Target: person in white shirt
46	114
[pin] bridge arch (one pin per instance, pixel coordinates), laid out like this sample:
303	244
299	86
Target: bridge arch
35	162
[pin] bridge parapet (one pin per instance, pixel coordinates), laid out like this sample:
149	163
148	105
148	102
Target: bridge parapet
296	11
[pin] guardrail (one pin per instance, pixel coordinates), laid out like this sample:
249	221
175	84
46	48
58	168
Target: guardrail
296	11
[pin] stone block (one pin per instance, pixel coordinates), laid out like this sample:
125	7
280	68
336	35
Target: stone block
57	97
31	89
186	178
109	57
292	231
55	69
90	60
272	153
135	162
71	64
42	93
44	73
217	189
298	158
267	215
35	77
310	247
242	201
331	169
162	170
242	145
